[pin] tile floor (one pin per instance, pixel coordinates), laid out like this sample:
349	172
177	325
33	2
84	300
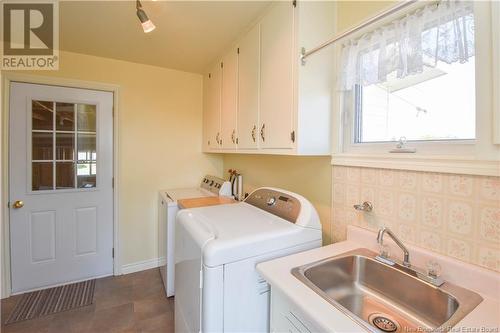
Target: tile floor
126	304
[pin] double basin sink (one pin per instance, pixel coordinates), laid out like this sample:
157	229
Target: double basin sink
385	298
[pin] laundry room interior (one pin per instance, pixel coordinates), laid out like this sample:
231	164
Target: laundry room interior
250	166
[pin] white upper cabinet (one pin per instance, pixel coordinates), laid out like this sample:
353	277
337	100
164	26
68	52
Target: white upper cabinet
271	103
229	110
276	86
248	88
212	108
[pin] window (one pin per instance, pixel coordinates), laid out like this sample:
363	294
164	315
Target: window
414	79
419	84
438	104
57	131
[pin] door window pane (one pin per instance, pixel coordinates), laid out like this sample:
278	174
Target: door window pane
42	144
65	175
86	181
65	116
41	115
42	176
86	117
65	146
86	175
86	147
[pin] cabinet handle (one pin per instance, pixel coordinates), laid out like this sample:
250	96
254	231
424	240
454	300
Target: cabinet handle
254	129
233	136
262	134
217	138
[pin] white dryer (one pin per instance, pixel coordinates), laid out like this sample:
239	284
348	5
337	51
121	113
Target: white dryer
167	210
216	251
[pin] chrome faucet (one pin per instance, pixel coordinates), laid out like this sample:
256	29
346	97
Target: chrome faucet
380	240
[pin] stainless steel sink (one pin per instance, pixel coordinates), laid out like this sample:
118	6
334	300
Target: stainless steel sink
384	298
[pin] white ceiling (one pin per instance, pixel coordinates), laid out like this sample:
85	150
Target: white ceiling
189	35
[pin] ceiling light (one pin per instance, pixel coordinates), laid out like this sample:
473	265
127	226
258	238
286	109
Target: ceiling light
146	23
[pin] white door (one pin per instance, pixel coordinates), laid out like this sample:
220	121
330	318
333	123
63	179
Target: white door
276	92
248	87
61	196
229	107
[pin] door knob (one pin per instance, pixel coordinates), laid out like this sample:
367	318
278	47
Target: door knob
18	204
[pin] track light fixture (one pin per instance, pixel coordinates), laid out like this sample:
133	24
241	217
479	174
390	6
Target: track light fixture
146	23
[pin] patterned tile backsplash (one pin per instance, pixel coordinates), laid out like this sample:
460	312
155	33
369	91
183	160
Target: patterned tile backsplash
455	215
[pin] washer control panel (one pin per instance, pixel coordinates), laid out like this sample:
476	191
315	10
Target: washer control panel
216	185
275	202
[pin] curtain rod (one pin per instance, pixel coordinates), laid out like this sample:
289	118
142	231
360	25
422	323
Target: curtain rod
390	11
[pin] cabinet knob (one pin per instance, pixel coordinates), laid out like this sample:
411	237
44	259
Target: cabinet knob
262	133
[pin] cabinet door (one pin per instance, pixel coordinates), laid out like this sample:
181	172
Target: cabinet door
276	93
212	109
248	87
229	99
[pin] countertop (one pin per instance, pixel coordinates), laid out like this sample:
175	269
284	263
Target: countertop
484	318
204	201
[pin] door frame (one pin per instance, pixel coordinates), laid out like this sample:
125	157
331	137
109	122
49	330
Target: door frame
6	79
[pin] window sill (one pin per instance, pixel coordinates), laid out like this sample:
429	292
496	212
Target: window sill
429	163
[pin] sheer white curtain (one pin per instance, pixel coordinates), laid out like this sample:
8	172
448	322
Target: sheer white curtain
436	32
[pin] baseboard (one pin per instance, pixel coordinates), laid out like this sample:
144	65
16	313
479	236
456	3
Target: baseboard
143	265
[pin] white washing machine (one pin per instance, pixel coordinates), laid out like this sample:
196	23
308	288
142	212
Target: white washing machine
216	251
167	210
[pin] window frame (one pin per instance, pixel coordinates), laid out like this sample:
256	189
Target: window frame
54	161
480	156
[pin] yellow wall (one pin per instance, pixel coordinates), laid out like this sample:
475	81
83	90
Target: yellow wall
160	140
308	176
351	13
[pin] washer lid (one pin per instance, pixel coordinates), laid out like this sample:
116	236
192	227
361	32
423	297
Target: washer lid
239	231
172	195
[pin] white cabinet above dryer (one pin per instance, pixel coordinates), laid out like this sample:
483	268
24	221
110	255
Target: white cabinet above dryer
248	90
212	85
229	102
270	102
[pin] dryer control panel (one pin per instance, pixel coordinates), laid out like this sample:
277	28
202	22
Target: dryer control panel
275	202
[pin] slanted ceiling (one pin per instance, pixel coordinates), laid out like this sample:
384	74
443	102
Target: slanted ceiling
189	35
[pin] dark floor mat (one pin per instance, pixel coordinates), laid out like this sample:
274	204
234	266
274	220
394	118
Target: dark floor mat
48	301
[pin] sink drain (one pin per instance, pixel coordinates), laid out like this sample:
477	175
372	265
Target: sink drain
384	322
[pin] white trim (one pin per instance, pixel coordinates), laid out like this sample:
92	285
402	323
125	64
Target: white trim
430	163
495	31
143	265
7	78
